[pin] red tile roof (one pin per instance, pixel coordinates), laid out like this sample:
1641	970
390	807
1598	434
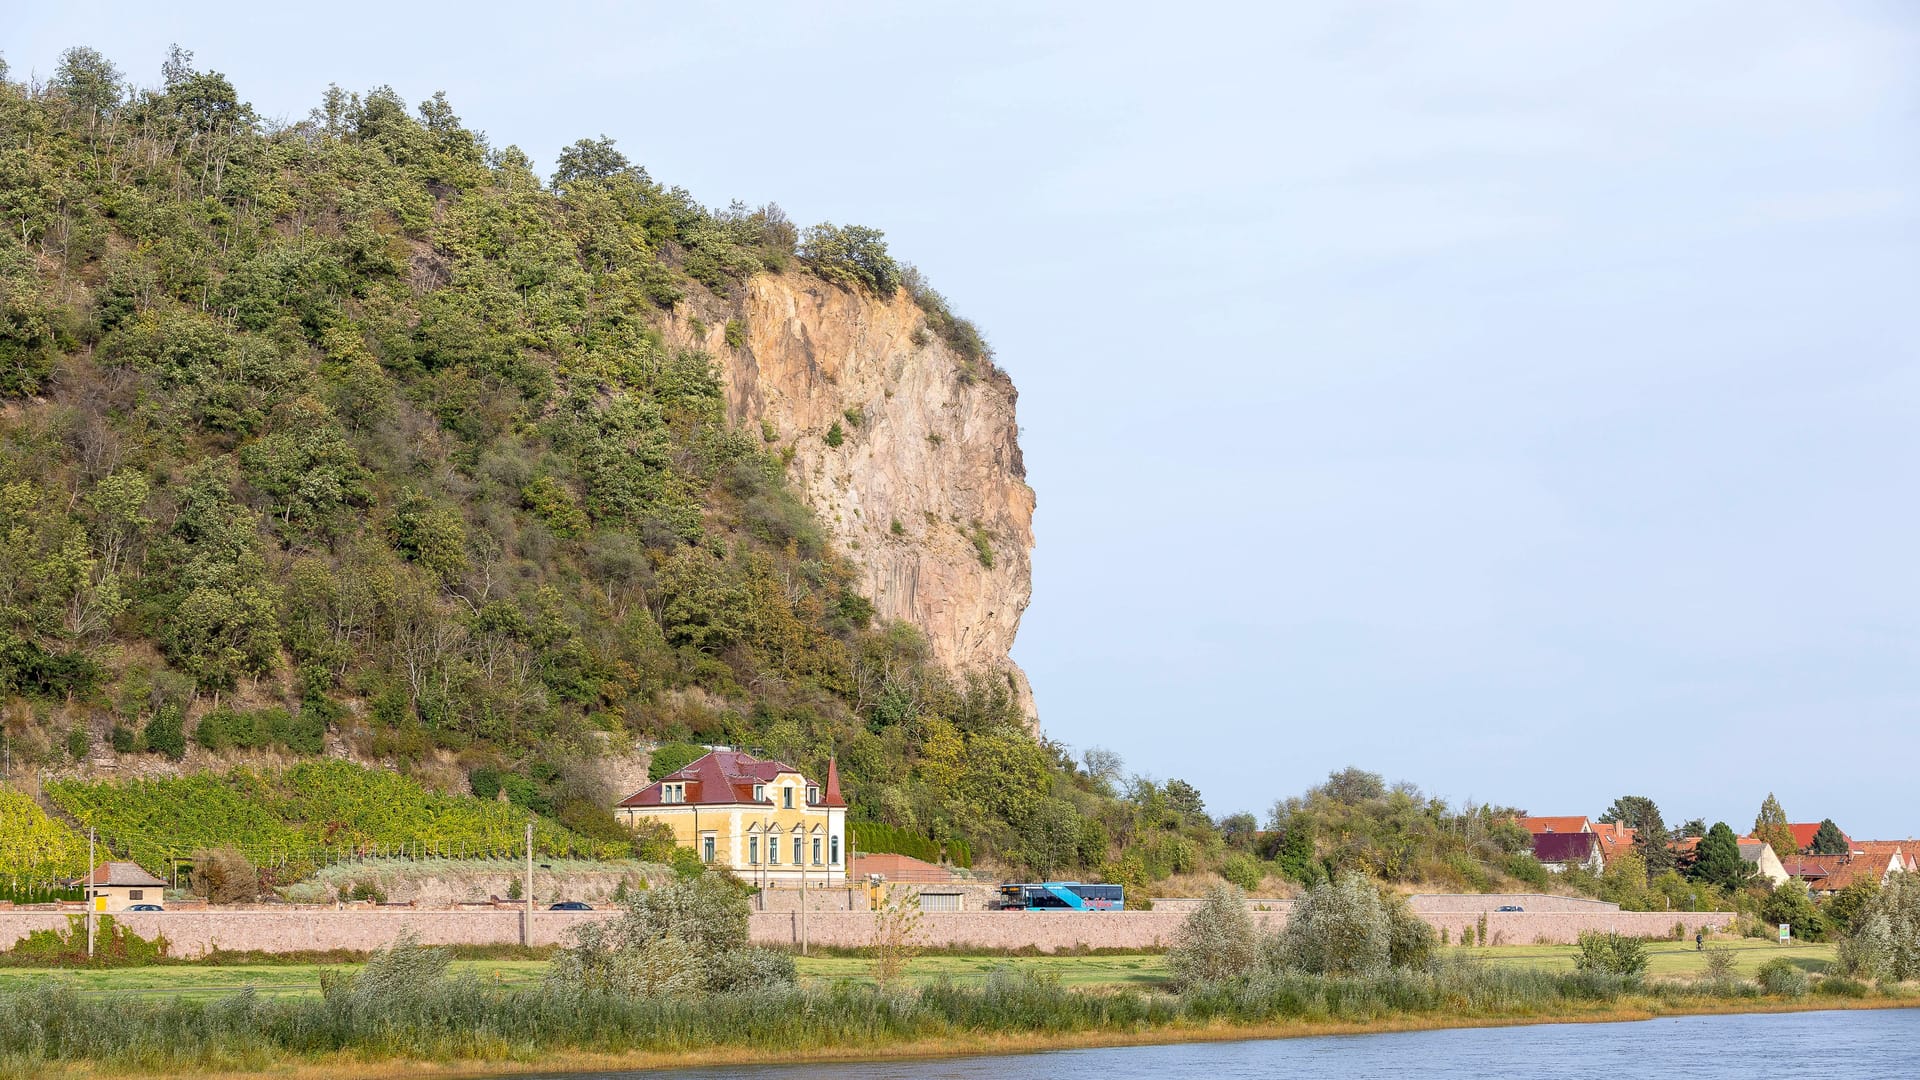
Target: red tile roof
124	874
1577	824
1858	868
1803	835
1615	839
1812	868
725	778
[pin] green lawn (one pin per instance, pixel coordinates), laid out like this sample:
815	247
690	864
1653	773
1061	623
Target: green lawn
1670	959
206	982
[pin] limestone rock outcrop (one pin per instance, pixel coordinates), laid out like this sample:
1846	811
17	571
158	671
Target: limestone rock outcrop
926	492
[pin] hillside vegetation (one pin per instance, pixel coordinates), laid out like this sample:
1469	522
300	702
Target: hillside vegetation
353	434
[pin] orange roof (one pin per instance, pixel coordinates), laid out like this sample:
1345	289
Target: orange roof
1556	824
1858	868
120	874
1803	834
1615	839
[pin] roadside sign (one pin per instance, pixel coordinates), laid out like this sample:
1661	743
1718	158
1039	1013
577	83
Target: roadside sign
1786	932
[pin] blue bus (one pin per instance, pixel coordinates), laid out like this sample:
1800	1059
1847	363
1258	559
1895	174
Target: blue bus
1062	896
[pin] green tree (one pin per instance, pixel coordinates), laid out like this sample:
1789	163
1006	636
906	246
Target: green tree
1770	825
588	159
89	83
1790	904
1828	840
1185	799
1719	862
1651	839
850	256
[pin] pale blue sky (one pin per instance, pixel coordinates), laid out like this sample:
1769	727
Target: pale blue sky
1515	399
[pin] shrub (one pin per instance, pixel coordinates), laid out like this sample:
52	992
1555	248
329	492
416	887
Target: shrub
1720	964
1886	941
1611	954
669	758
1242	870
1525	868
124	739
1780	976
166	733
736	334
1841	986
1337	928
687	936
836	435
1218	941
224	876
79	743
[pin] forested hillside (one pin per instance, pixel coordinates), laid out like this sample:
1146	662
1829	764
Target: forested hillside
355	435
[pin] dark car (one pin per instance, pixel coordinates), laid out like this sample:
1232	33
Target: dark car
145	907
570	905
1509	907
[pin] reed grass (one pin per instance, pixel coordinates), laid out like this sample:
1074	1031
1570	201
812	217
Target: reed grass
417	1013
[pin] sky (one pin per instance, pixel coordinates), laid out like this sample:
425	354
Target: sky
1515	399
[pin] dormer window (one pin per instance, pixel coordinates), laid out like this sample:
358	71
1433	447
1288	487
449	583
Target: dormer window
786	797
759	793
813	796
673	793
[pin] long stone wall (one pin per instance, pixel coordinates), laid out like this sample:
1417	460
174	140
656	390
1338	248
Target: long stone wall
1436	902
195	933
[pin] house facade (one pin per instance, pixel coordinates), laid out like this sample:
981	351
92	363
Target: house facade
1759	855
1559	851
761	819
117	886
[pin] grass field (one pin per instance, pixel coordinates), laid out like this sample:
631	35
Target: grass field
1141	971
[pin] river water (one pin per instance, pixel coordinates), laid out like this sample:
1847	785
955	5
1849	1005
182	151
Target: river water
1851	1045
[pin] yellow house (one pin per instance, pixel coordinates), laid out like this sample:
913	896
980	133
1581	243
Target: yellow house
761	819
117	886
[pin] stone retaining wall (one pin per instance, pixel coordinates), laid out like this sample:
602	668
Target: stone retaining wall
1433	902
195	933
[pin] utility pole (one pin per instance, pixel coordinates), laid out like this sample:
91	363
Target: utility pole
526	918
91	871
803	904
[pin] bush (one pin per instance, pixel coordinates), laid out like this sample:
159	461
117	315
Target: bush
124	739
1242	870
1611	954
670	758
224	876
166	733
1525	868
1720	965
685	937
1886	941
1841	986
1780	976
1218	941
1337	928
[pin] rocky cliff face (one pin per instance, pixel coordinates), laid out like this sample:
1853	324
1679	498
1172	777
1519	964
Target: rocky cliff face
926	487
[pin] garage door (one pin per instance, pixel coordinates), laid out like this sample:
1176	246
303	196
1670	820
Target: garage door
937	901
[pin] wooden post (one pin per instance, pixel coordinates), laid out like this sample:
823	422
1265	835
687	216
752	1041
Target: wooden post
91	865
526	917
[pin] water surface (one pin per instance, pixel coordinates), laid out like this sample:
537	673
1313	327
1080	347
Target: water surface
1851	1045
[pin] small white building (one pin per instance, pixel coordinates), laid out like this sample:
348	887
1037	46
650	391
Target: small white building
117	886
